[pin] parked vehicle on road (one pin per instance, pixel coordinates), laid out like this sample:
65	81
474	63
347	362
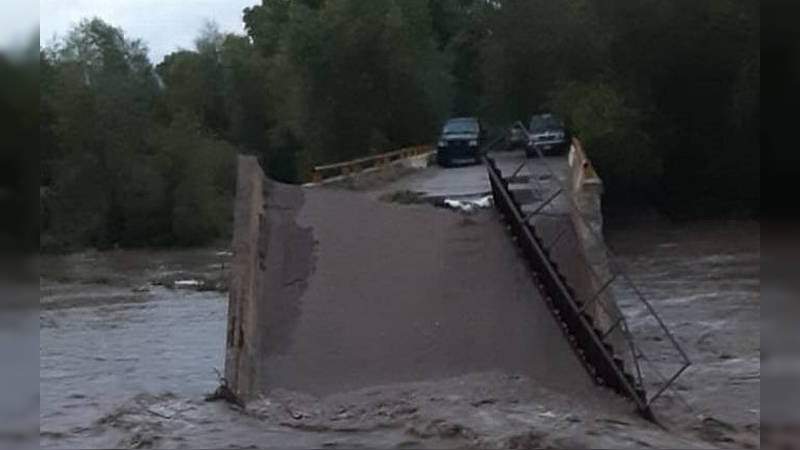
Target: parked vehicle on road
517	137
461	141
548	135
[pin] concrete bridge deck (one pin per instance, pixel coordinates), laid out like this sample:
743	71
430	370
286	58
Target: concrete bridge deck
344	292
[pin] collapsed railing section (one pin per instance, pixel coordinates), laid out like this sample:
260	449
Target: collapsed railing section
596	356
599	307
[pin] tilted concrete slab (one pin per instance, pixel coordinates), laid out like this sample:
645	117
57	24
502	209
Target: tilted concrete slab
569	218
334	291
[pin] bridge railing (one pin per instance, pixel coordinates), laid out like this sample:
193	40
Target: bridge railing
631	328
345	168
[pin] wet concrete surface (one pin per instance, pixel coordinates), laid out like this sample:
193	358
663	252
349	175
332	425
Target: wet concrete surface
543	187
408	293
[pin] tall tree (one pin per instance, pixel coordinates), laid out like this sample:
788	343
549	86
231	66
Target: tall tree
99	70
534	45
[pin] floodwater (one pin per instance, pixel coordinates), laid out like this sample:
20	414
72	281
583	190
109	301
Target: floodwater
118	324
130	341
703	278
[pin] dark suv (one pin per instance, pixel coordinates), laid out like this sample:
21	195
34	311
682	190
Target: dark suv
548	135
460	141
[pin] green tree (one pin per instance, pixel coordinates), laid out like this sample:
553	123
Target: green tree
534	45
612	134
367	75
198	172
195	81
97	70
689	59
248	99
114	175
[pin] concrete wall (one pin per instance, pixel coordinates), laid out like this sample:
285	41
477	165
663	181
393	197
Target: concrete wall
240	356
273	259
586	189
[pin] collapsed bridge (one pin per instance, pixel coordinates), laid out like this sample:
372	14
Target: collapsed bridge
333	290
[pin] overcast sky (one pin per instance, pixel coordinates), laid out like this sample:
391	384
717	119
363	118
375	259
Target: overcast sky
164	25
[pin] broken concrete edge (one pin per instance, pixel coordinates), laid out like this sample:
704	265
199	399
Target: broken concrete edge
581	167
417	161
240	364
586	188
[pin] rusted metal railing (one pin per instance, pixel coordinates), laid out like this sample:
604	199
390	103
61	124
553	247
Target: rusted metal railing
610	362
594	353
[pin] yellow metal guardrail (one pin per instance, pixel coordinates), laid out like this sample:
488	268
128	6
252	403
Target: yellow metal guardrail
324	172
578	155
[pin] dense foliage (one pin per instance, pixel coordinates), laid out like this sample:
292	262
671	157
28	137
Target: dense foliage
121	163
665	95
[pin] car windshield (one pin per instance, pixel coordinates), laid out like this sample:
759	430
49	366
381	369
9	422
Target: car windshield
543	123
460	127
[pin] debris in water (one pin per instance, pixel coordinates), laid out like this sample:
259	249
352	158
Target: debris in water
161	411
469	206
187	283
224	393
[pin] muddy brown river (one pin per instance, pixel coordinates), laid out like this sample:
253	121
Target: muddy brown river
130	342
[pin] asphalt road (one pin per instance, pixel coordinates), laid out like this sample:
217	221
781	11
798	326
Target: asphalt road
473	180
